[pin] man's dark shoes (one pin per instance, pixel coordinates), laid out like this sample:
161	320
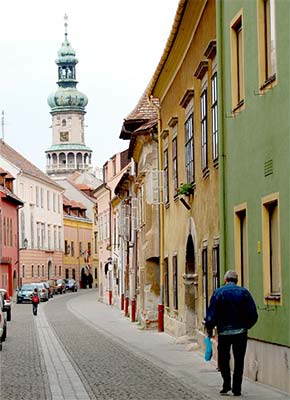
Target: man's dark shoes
225	390
236	393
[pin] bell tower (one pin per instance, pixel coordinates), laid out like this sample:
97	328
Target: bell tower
68	152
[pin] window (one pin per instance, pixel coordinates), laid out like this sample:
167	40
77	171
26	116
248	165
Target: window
32	271
66	247
241	244
32	230
166	283
189	149
215	267
38	234
54	202
214	115
38	270
23	271
96	242
42	236
54	238
41	197
37	196
59	238
72	248
48	200
205	278
59	270
4	231
203	122
237	54
49	237
175	282
89	249
165	169
271	248
73	274
66	273
42	270
267	42
81	248
174	165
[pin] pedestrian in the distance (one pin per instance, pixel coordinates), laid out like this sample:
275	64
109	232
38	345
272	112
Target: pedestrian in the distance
35	301
233	311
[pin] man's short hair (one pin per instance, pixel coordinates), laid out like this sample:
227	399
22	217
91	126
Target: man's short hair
231	276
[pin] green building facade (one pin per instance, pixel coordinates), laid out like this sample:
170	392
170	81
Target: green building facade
253	47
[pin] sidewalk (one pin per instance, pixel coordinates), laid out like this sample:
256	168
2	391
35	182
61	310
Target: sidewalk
162	350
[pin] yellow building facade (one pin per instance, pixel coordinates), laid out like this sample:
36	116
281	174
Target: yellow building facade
185	84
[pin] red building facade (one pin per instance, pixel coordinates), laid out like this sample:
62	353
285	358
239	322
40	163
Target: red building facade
9	250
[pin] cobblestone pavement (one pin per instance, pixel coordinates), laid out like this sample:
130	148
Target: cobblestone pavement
79	349
22	370
108	369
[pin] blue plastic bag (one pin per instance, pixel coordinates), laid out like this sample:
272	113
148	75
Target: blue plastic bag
208	349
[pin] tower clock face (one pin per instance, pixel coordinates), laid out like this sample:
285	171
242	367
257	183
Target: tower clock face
63	136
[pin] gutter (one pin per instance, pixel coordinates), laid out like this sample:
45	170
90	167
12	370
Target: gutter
221	128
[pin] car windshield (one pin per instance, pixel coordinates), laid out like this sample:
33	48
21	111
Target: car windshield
27	287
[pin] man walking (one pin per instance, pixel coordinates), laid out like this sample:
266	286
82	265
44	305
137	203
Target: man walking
233	311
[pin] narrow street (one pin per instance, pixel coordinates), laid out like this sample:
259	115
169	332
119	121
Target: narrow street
79	348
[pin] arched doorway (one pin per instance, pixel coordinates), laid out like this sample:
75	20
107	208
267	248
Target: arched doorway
190	279
49	265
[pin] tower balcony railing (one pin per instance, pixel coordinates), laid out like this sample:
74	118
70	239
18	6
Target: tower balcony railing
66	167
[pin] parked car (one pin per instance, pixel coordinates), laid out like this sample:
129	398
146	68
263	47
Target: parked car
24	292
60	286
7	303
71	284
42	290
3	322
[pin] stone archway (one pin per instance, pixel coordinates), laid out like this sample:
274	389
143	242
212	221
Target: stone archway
190	278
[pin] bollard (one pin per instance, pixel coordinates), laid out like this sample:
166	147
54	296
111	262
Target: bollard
110	297
122	301
160	318
133	309
126	306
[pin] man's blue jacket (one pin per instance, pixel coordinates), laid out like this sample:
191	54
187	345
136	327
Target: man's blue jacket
231	308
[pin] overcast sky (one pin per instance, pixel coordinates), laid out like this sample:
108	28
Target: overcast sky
118	44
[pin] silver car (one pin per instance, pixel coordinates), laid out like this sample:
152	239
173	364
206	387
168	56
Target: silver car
42	290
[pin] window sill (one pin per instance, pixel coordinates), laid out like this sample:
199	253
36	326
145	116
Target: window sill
273	297
238	106
205	173
268	83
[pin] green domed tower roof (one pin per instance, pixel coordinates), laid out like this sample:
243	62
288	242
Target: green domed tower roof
67	97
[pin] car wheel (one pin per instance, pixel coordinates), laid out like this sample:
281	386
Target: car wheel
9	315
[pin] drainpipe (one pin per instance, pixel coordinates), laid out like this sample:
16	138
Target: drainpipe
161	225
221	113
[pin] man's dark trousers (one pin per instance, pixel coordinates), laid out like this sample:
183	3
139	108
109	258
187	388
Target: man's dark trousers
239	345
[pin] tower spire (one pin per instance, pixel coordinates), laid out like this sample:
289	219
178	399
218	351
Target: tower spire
65	24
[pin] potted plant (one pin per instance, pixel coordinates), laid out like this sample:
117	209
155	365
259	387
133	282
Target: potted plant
185	189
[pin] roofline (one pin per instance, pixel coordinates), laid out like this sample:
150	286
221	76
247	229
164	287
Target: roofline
169	44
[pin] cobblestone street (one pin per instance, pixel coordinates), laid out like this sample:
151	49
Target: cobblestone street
73	350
